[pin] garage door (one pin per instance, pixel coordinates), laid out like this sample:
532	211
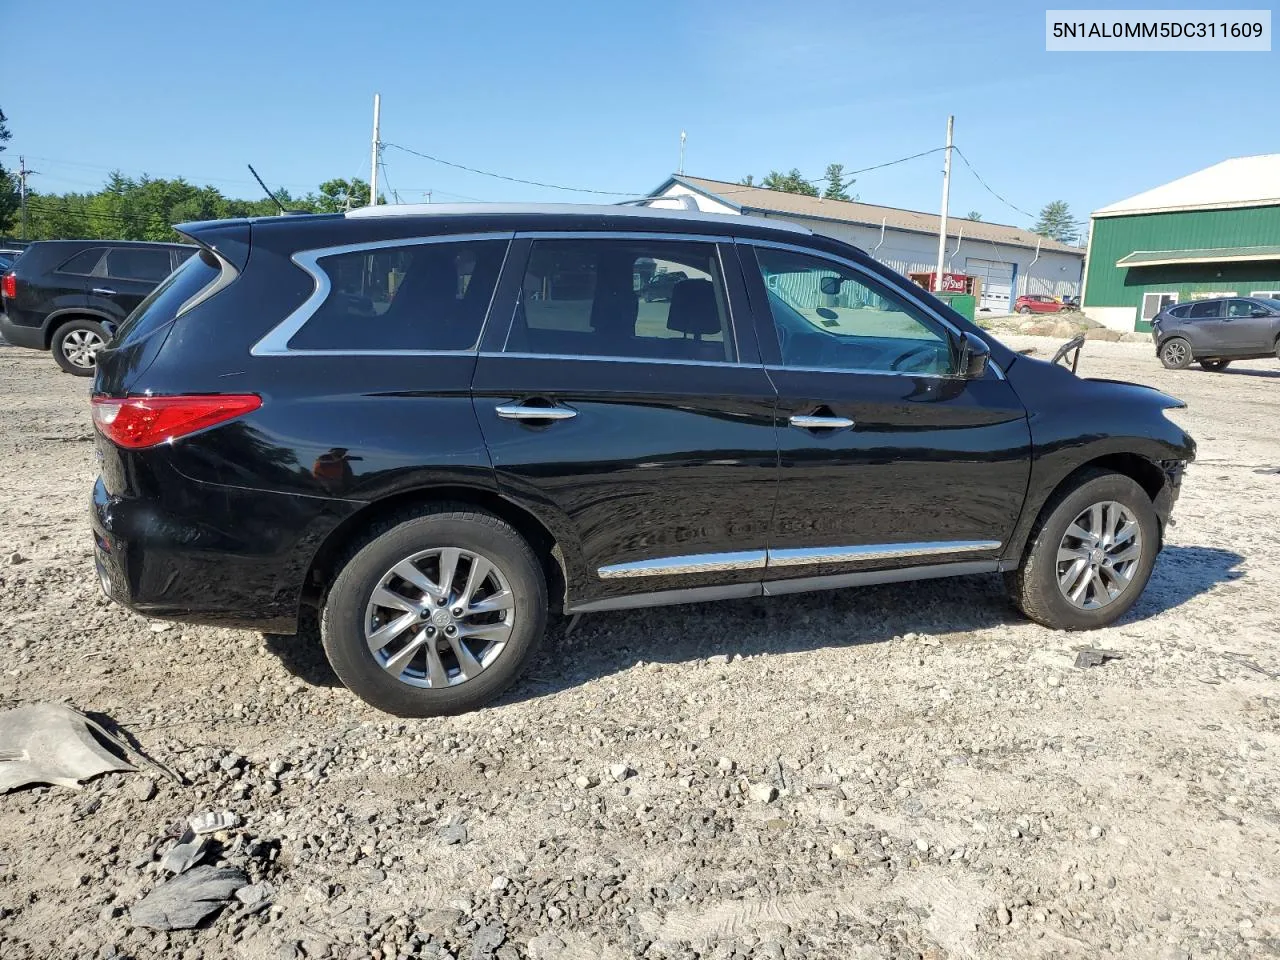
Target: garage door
997	283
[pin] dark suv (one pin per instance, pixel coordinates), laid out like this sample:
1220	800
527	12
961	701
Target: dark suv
68	295
436	425
1215	332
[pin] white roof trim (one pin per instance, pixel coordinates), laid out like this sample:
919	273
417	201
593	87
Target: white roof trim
1231	184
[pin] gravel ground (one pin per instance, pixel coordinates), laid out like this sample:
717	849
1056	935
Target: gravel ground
904	771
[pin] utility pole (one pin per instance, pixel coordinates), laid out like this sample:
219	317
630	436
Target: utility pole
682	139
23	173
374	151
946	199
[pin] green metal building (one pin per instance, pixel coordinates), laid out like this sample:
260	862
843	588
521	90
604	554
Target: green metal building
1214	233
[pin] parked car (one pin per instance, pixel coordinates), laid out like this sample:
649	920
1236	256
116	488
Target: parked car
1038	303
371	417
67	295
1215	332
1070	303
7	256
660	287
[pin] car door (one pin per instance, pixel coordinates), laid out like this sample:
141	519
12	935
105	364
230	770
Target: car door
125	276
1244	332
888	457
641	432
1206	328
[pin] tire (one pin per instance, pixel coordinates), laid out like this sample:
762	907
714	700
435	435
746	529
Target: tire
1175	353
1024	310
74	345
1214	366
413	690
1035	587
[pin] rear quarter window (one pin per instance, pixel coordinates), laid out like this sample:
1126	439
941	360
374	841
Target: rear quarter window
83	263
164	302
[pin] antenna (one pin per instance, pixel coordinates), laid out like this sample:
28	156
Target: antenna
274	198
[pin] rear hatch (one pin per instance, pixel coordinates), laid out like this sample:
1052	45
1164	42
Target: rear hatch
223	252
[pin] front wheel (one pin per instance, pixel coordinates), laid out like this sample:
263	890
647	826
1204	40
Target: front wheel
76	344
1214	366
436	613
1175	354
1090	556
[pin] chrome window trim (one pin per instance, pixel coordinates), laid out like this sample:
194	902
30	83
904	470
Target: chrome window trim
803	556
635	235
861	270
496	354
807	556
227	274
692	563
276	341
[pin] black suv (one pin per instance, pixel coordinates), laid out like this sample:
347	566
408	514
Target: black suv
68	295
436	425
1215	332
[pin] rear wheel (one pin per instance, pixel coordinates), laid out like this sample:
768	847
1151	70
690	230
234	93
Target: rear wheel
76	344
1090	556
1214	365
1175	353
436	613
1024	310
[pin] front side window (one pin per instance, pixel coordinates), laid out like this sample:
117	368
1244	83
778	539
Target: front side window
829	315
130	263
424	296
1206	310
644	299
1241	308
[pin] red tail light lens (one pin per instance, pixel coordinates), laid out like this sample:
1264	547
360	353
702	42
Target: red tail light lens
9	285
139	422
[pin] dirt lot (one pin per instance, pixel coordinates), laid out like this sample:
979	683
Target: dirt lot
893	772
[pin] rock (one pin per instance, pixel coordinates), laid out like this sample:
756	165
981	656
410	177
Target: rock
277	767
844	850
486	940
187	899
1095	832
1003	915
545	946
725	765
16	558
763	792
453	833
499	883
1103	333
144	788
620	771
255	896
586	782
922	845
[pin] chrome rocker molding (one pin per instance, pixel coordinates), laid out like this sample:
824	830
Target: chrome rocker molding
696	563
875	551
772	588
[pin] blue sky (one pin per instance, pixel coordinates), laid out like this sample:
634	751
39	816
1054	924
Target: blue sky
595	95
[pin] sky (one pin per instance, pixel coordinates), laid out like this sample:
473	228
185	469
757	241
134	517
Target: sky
595	94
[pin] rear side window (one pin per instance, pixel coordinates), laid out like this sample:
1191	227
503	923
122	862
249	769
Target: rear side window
83	263
164	302
424	296
131	263
1180	312
1206	310
647	299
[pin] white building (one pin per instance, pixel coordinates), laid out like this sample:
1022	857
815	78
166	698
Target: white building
1010	261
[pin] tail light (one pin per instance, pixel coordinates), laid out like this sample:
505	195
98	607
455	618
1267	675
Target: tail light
139	422
9	285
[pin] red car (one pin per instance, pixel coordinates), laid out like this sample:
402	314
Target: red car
1038	303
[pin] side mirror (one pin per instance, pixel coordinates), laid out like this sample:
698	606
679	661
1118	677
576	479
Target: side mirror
1259	312
830	285
974	356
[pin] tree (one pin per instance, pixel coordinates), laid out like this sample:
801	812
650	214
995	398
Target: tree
8	183
1056	223
973	215
748	181
791	182
835	183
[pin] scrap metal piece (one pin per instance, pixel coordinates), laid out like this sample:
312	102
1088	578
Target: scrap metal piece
186	853
184	901
1095	657
52	743
212	821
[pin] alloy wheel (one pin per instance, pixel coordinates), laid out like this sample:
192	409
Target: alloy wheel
81	347
440	617
1099	555
1175	353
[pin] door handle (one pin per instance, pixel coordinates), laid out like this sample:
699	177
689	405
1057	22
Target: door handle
104	291
518	411
805	422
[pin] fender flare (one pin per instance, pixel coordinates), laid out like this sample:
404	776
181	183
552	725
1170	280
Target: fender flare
58	317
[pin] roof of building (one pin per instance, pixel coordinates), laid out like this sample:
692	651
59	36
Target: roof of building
1160	258
1238	182
760	200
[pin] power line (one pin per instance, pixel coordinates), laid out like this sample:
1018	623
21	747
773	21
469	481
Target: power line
502	176
986	187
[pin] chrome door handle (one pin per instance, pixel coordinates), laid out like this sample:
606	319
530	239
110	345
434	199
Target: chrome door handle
518	411
804	422
104	291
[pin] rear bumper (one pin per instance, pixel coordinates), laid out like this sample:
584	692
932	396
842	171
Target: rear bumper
224	556
20	335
